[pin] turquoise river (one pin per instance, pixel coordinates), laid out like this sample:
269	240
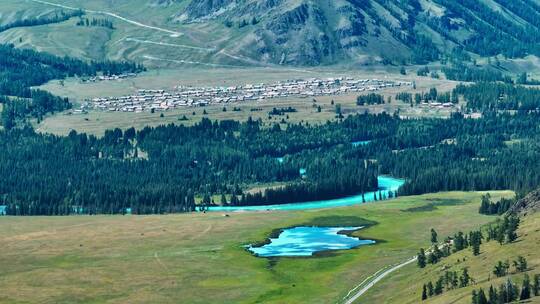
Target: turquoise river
386	184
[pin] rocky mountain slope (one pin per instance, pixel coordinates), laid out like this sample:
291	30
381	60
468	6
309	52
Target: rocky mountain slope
286	32
528	204
310	32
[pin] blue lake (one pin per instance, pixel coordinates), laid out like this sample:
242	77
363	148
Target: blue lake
305	241
386	184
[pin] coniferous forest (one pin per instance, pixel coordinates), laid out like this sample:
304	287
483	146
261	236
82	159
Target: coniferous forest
157	170
164	169
20	70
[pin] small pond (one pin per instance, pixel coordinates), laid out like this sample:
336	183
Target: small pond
305	241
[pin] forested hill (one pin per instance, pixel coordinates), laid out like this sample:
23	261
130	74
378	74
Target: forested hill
314	32
20	70
163	169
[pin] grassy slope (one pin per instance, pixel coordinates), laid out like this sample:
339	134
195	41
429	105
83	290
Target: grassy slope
97	43
405	286
198	258
220	45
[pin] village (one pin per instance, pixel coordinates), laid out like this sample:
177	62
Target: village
109	77
185	96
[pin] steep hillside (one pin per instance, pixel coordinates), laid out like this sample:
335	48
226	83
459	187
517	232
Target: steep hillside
287	32
406	285
529	204
314	32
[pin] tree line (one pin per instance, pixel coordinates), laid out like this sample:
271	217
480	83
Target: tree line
57	18
24	69
95	22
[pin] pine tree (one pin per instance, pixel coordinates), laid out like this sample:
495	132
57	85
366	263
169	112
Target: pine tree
421	259
485	205
499	269
459	242
482	297
520	264
464	279
424	293
511	291
474	299
432	258
536	285
526	288
439	286
493	295
430	289
476	248
433	236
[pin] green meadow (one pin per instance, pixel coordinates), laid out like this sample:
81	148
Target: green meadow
199	258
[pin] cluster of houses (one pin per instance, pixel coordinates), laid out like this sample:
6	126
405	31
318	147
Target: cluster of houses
109	77
183	96
437	105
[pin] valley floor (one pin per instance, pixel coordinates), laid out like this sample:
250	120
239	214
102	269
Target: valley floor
199	258
96	122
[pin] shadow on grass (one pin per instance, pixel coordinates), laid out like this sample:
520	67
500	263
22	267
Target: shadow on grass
434	203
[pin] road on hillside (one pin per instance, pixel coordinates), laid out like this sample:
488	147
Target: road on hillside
172	33
376	280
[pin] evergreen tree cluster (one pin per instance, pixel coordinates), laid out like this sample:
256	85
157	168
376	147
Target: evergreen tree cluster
504	231
508	292
501	269
86	174
488	207
370	99
57	18
494	33
496	96
282	111
24	69
449	281
467	73
96	22
423	71
221	157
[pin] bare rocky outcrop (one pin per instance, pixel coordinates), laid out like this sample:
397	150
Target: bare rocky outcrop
527	205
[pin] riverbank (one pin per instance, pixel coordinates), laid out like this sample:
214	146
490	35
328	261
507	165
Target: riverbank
387	184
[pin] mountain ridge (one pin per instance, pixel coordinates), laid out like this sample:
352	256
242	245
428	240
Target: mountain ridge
310	32
287	32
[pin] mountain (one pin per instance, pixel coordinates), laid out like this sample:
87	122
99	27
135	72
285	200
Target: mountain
311	32
287	32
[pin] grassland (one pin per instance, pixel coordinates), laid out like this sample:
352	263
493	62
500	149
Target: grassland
405	286
192	46
198	258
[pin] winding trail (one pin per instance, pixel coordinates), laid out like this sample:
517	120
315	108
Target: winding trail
181	61
378	276
160	263
196	236
172	33
169	44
